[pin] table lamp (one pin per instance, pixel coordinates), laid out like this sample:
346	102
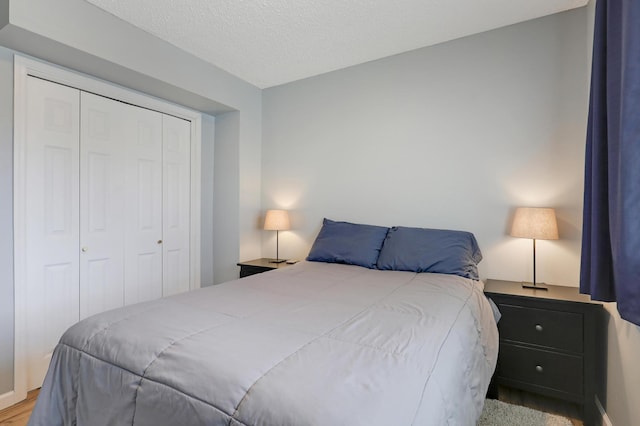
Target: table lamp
536	223
276	220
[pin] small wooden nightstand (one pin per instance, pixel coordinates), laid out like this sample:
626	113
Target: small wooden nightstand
552	343
257	266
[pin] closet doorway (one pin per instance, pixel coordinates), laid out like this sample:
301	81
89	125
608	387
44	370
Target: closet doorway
107	197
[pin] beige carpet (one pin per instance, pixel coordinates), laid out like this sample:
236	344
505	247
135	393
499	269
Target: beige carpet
498	413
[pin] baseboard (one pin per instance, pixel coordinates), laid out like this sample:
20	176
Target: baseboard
8	399
606	421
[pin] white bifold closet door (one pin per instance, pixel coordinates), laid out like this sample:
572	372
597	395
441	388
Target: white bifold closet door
120	204
52	218
177	201
108	210
143	226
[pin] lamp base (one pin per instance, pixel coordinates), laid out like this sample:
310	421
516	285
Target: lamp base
535	286
277	260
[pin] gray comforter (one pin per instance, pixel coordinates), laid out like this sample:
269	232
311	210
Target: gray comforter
312	344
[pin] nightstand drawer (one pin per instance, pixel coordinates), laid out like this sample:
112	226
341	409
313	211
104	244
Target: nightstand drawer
551	370
553	329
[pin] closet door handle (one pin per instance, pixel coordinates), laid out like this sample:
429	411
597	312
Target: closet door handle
159	241
84	249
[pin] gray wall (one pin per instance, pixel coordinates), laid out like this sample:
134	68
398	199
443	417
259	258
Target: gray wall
71	33
206	221
226	182
623	371
451	136
6	221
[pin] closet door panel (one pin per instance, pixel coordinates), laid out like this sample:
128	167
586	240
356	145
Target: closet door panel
143	236
102	204
51	206
176	202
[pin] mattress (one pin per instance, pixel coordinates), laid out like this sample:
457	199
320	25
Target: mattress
310	344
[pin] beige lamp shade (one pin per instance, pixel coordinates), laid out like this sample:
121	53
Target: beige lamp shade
276	220
535	222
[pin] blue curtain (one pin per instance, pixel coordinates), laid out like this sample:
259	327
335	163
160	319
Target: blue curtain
610	264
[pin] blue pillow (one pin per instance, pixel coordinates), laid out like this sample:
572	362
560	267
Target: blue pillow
431	250
350	243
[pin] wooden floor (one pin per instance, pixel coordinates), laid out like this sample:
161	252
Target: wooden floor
18	415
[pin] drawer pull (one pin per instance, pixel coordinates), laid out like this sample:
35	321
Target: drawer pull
539	327
539	368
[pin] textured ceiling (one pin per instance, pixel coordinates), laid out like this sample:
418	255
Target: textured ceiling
272	42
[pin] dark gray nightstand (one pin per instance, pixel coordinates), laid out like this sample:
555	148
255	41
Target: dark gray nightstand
552	343
258	266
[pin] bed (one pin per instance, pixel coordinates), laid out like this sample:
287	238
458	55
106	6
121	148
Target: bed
317	343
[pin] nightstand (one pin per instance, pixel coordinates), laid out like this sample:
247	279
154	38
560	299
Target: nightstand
552	343
258	266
